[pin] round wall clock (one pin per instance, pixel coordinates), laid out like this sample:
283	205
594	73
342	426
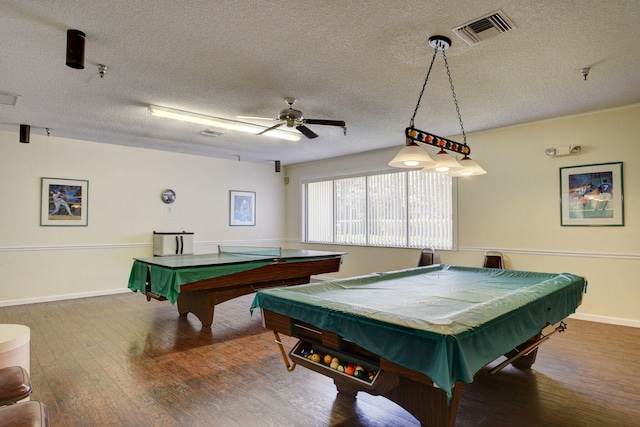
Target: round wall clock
168	196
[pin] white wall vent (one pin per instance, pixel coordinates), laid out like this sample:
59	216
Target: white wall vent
484	28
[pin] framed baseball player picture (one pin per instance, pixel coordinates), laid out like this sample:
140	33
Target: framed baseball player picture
64	202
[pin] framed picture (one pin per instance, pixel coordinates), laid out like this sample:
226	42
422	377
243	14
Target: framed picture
242	208
592	195
63	202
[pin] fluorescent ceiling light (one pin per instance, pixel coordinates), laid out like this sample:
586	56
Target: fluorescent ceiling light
201	119
281	134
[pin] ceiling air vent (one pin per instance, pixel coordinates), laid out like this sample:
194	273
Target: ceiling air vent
484	28
9	98
211	133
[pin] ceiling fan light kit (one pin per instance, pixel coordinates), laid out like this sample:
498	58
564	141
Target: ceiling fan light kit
443	162
294	119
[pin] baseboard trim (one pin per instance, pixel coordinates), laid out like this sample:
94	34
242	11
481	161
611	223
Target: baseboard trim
606	319
63	297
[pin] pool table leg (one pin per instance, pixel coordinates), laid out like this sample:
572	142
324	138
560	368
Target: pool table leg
413	392
200	303
346	389
427	403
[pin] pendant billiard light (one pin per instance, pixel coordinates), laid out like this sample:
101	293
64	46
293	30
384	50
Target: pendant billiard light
412	156
469	168
75	49
443	161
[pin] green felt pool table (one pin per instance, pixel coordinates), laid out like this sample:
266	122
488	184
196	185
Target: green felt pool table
423	332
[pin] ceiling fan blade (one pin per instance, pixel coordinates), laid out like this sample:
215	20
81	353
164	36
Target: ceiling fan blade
271	128
325	122
307	132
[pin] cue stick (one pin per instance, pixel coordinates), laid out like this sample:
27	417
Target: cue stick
289	366
561	327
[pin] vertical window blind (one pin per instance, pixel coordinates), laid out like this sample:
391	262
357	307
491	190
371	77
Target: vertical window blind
395	209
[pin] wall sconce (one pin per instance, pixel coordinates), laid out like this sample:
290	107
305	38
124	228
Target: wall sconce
413	157
25	133
563	151
75	49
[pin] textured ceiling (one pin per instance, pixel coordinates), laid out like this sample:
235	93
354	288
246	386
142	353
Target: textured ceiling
363	62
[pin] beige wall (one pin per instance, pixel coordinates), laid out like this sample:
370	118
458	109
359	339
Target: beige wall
515	208
40	263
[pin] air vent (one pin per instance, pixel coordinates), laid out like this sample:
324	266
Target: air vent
9	98
211	133
484	28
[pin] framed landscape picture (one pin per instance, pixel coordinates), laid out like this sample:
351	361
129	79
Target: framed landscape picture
242	208
592	195
63	202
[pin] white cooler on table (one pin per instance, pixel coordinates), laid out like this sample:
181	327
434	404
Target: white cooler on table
177	243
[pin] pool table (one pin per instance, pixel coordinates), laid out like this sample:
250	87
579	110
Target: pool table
198	282
422	333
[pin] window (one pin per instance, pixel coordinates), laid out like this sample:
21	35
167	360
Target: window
394	209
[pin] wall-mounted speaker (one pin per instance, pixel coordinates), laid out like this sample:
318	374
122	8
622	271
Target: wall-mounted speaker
25	133
75	49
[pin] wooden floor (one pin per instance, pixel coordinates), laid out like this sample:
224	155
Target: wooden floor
122	361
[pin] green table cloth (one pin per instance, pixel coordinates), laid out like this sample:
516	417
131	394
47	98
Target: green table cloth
444	321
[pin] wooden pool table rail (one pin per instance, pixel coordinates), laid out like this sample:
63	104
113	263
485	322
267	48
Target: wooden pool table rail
201	297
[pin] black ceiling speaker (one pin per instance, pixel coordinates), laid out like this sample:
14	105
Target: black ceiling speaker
277	166
25	133
75	49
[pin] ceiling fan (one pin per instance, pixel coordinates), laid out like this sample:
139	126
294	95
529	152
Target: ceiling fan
293	118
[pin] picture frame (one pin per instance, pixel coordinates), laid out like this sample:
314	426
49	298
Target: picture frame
592	195
64	202
242	208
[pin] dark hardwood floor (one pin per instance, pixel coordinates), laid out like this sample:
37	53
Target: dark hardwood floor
122	361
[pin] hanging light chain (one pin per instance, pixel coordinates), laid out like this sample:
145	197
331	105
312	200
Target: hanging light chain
433	58
455	100
415	136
